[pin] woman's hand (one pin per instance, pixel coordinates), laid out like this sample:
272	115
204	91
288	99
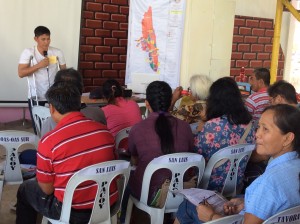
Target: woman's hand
205	212
234	206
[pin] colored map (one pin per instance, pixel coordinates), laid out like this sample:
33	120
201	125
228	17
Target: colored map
148	40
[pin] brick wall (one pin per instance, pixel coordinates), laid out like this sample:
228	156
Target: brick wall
252	46
103	41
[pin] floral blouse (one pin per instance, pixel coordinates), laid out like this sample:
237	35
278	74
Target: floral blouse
216	134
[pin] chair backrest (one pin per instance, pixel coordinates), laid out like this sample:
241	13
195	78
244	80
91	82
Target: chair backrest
234	153
143	109
232	219
291	215
178	164
40	114
103	174
12	141
123	134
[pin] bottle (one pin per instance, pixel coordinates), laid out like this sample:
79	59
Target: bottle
242	74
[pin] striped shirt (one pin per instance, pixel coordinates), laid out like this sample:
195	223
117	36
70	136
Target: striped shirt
75	143
257	102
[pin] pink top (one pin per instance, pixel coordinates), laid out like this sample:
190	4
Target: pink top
125	113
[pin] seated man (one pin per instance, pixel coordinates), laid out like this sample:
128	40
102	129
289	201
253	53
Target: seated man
282	92
257	101
75	143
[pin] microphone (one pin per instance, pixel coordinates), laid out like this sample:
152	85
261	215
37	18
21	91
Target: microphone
45	55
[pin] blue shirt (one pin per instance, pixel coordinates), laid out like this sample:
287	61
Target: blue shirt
277	189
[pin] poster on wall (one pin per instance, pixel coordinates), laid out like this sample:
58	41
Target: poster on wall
155	36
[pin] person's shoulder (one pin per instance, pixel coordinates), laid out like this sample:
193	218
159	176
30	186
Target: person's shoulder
54	49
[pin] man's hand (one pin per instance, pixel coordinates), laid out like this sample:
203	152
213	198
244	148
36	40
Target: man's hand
47	188
44	63
234	206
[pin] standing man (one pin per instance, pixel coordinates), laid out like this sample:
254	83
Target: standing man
257	101
75	143
40	64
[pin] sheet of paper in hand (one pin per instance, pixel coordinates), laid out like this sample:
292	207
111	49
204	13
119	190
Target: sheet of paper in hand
198	196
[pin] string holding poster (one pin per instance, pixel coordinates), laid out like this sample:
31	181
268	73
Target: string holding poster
154	42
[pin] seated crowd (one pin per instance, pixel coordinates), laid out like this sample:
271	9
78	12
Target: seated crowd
76	136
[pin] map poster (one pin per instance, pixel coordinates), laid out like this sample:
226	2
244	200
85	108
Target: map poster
155	35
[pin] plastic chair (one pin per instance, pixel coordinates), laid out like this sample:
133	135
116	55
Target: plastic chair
12	141
143	109
232	219
178	164
235	154
101	210
291	215
122	137
40	114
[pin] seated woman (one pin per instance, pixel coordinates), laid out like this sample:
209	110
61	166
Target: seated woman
159	134
228	123
192	107
120	113
278	136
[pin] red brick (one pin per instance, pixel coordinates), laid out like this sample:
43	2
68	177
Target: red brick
249	71
84	65
234	47
93	57
102	65
232	63
234	71
103	1
87	82
122	58
267	64
86	32
110	74
88	15
238	39
242	63
244	31
118	66
123	26
96	7
86	48
239	22
258	32
119	2
91	73
110	42
110	25
257	47
93	23
268	48
94	41
99	81
122	42
110	57
110	8
103	49
124	10
102	16
250	39
280	64
119	34
235	30
264	40
252	23
122	74
249	56
119	18
266	24
236	55
269	33
263	56
102	33
119	50
244	47
256	64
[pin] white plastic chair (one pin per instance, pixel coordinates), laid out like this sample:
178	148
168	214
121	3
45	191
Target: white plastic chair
235	154
143	109
101	213
122	135
178	164
232	219
40	114
291	215
12	141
